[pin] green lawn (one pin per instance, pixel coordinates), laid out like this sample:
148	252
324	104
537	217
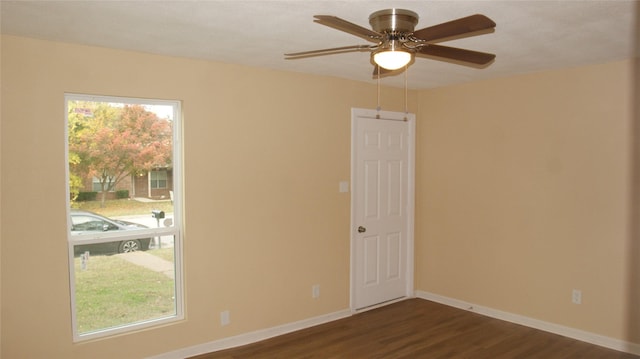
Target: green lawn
123	207
164	253
111	292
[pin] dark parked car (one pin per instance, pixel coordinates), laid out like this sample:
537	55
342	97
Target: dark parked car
85	221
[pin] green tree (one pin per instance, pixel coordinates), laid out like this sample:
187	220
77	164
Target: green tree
112	141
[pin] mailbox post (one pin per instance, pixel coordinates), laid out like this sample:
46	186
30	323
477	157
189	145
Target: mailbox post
158	215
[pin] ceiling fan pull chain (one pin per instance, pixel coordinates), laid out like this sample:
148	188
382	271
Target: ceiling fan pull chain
378	105
406	106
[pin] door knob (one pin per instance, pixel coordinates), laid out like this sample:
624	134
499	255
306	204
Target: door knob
361	229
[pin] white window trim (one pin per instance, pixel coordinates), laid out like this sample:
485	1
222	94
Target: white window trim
175	230
95	180
166	179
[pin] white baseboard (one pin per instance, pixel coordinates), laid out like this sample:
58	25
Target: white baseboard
573	333
252	337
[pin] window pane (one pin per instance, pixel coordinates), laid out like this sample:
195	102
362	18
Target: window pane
122	231
113	147
117	290
158	179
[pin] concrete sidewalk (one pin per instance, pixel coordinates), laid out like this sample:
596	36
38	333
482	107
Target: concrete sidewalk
149	200
150	261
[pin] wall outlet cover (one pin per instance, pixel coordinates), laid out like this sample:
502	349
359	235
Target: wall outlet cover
225	318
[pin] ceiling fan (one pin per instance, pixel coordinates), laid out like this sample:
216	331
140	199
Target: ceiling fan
396	43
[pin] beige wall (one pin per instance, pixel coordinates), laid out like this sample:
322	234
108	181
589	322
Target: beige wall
633	255
523	194
264	154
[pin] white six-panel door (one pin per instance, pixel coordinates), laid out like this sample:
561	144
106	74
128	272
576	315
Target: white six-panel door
382	207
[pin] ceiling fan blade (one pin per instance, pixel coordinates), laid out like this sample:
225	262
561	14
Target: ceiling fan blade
331	51
466	25
453	53
349	27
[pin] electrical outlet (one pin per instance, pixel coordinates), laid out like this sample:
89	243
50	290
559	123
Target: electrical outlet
315	291
576	296
225	318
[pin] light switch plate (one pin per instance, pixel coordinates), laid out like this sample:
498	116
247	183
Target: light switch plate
344	186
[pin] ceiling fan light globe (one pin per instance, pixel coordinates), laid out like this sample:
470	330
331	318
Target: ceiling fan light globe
392	60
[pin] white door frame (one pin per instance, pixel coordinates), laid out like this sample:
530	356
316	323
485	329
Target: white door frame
411	123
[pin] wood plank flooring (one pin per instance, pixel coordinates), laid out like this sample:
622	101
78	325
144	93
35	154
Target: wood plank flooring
418	328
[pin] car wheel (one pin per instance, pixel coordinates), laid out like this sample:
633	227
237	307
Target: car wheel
130	245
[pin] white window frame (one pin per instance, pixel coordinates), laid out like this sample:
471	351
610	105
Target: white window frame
101	237
151	180
96	180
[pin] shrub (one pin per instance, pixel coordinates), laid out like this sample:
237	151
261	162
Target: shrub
86	196
123	193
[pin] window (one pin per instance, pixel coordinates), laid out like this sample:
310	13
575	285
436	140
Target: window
97	183
117	146
158	179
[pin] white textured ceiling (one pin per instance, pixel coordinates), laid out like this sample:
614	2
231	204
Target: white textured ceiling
530	35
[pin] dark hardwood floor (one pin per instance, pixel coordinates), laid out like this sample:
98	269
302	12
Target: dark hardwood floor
418	328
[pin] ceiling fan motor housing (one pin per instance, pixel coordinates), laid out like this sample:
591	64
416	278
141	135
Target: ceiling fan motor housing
393	21
395	25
